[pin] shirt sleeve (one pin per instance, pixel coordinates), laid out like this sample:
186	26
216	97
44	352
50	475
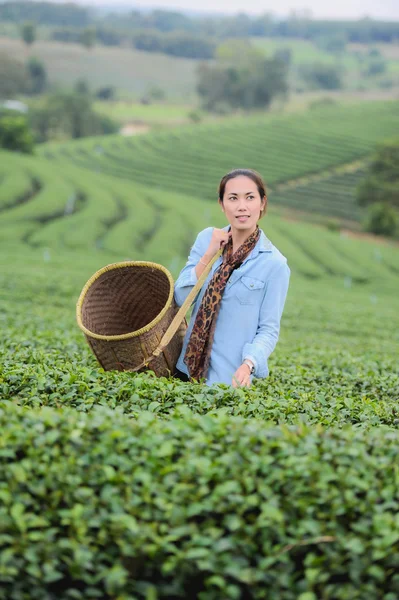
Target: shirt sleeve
269	321
188	277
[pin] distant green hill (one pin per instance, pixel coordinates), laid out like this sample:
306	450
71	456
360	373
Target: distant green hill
191	160
129	70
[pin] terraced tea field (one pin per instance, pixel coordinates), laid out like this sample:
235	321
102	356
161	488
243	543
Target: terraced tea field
330	192
122	486
189	160
64	207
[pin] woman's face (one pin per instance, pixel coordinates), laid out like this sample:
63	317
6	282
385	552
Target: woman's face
242	203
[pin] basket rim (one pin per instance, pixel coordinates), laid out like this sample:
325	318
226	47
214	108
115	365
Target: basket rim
111	267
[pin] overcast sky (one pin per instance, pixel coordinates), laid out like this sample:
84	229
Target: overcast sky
380	9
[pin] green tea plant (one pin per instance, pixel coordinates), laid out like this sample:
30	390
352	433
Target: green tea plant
124	486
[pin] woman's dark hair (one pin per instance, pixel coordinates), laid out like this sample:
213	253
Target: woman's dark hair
251	174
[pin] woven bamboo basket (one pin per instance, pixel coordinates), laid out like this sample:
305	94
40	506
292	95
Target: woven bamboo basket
130	319
124	310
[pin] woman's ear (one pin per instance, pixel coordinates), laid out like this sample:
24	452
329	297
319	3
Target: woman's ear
221	204
263	206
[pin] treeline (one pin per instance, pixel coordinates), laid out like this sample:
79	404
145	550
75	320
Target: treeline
379	191
45	13
179	43
105	36
297	25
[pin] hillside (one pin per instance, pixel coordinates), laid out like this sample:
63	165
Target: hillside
191	160
63	207
132	72
125	485
330	193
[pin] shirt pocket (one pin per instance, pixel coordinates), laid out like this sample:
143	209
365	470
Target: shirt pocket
249	290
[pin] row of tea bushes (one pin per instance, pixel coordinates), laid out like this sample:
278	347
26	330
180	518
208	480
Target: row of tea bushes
57	206
100	506
338	190
348	392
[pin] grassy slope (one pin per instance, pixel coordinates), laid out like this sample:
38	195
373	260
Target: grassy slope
129	70
305	51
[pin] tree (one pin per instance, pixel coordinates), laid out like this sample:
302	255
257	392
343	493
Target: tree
15	134
155	94
106	93
88	37
374	53
376	66
167	20
381	219
244	84
335	43
28	33
68	115
284	54
263	25
76	111
381	183
82	87
38	76
12	76
319	75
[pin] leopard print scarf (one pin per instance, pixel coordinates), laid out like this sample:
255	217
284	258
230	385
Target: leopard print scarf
198	352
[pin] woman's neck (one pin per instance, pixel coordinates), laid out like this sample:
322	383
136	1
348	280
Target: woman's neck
240	236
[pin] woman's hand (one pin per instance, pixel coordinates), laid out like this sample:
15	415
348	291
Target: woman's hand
219	239
242	377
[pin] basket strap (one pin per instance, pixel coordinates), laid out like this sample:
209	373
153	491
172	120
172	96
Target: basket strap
175	324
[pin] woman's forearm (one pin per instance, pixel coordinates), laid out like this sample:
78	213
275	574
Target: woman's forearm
202	263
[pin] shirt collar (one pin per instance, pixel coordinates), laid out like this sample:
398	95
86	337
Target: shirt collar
262	245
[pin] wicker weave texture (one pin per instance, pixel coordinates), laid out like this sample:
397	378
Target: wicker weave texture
124	310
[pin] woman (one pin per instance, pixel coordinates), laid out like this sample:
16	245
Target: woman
236	317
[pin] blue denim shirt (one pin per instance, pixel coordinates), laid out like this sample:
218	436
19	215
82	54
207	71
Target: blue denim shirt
248	323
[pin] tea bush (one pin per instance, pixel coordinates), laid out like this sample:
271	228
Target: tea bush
196	507
122	486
